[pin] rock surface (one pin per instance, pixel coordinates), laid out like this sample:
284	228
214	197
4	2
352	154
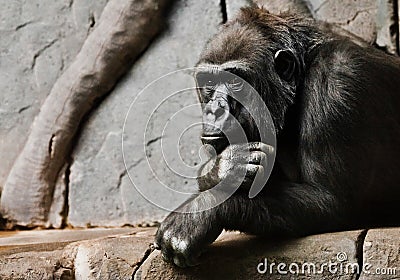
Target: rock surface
233	7
371	20
127	254
285	6
239	256
113	256
14	239
381	254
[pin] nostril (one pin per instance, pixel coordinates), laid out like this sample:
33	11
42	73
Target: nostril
219	112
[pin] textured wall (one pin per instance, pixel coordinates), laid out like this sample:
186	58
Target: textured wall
112	199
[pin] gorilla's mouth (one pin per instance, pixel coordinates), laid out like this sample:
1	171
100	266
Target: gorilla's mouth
218	142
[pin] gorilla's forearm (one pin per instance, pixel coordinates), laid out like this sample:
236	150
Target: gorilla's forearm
292	210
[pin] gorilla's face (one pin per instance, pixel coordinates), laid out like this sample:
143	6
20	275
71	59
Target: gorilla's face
225	119
242	57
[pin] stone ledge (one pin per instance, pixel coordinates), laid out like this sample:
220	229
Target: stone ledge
98	253
236	256
119	254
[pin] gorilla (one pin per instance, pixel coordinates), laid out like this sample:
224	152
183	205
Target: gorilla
334	102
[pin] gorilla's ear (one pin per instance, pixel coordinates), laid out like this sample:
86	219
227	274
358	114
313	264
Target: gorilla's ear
286	65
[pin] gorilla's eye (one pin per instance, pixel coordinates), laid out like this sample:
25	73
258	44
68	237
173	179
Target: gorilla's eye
234	80
236	84
210	83
208	86
206	80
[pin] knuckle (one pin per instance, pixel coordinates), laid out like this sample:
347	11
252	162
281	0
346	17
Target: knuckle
226	154
268	149
179	245
258	156
156	245
256	145
165	236
261	170
252	168
165	257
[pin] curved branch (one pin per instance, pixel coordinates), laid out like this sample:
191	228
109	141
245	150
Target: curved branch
126	28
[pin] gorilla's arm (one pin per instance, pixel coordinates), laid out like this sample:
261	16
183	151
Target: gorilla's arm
290	209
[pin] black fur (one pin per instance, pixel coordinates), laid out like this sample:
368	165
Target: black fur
338	134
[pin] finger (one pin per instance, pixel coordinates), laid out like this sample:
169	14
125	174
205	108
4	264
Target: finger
247	170
258	184
180	260
163	243
252	169
167	253
258	158
156	246
236	153
242	150
184	260
259	146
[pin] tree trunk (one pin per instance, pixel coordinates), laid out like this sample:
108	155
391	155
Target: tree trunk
125	29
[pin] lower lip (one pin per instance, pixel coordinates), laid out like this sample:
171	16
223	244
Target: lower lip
217	142
211	138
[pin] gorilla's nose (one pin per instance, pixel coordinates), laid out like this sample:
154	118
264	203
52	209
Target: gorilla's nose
218	108
216	113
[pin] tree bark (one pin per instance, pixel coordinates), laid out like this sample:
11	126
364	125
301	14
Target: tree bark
125	29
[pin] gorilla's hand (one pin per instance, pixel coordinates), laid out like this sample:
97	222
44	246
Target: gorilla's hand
182	237
237	165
